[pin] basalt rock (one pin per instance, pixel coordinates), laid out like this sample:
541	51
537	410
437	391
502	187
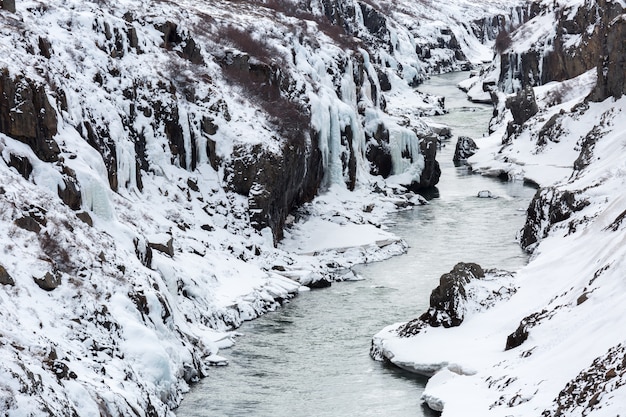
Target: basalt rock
8	5
431	172
21	164
465	147
523	105
378	152
611	74
275	183
548	207
447	301
27	115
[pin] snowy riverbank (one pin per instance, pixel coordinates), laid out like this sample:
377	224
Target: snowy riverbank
554	347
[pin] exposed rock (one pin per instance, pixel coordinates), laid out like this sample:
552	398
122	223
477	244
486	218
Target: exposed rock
485	194
28	223
70	193
523	105
611	74
465	147
162	243
432	171
548	207
275	183
143	251
8	5
48	282
85	218
26	115
447	301
21	164
378	152
5	277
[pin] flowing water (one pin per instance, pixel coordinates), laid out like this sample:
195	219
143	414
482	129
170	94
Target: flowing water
311	358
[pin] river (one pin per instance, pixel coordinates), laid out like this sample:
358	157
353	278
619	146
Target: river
311	358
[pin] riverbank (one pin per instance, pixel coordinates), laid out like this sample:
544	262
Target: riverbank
553	347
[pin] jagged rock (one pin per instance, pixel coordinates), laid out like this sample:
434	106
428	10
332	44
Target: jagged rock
432	171
21	164
374	21
523	105
274	183
378	152
70	193
26	115
5	277
465	147
48	282
548	207
447	300
485	194
143	251
519	336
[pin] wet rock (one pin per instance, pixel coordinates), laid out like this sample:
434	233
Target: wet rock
465	147
5	277
432	171
485	194
48	282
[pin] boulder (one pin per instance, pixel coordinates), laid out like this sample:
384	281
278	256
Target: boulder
5	278
447	301
163	243
465	147
8	5
48	282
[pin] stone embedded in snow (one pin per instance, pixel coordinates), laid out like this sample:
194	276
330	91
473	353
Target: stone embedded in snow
162	242
48	282
5	278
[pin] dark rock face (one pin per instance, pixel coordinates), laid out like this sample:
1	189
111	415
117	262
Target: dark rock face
555	60
523	106
374	21
611	74
28	223
21	164
548	207
447	301
5	278
465	147
378	152
431	172
26	115
48	282
275	183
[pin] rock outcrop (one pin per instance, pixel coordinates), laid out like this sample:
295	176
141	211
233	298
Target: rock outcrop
465	147
548	207
447	307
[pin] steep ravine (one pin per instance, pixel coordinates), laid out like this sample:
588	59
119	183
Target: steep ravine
311	356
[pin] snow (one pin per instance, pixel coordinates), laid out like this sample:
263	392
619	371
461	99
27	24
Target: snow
135	326
574	282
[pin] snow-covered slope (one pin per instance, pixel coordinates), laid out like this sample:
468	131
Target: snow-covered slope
154	153
555	347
